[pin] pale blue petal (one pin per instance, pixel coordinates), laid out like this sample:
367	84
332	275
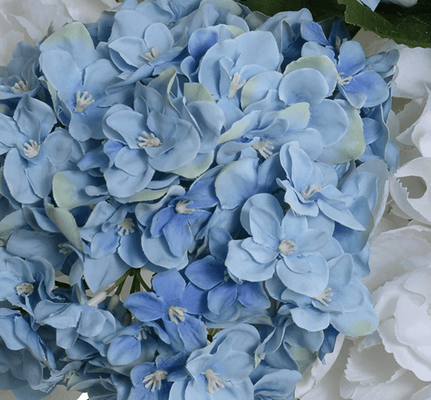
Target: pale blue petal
242	264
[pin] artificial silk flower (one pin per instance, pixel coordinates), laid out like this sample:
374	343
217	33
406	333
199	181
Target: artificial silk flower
196	140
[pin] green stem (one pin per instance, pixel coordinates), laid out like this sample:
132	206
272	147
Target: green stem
141	280
120	282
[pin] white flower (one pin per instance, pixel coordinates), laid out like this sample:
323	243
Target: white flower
30	20
413	72
9	37
372	373
404	310
84	10
322	381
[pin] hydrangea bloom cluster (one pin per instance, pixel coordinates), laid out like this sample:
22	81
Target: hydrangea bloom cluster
236	156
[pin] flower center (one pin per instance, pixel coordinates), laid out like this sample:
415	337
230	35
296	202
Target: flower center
235	85
24	288
176	313
126	227
83	101
155	380
152	54
214	382
264	147
20	87
181	207
64	248
324	298
143	333
287	247
31	149
150	140
343	81
311	190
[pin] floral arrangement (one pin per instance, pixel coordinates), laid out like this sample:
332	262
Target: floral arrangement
243	160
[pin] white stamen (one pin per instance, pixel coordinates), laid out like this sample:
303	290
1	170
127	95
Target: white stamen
152	54
64	249
176	312
324	298
31	149
235	85
343	81
24	288
150	140
214	382
181	207
311	190
264	147
83	101
226	276
20	87
155	380
126	227
143	333
287	247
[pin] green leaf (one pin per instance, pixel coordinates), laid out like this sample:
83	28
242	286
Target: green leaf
68	189
197	92
410	26
9	224
65	221
320	10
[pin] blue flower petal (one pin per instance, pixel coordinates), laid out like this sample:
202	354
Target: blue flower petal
303	85
146	306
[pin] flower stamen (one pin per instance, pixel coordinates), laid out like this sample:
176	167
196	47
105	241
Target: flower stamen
214	382
155	380
343	81
31	149
176	313
181	207
83	101
152	54
264	147
325	297
287	247
311	190
64	248
150	140
20	87
235	85
126	227
24	288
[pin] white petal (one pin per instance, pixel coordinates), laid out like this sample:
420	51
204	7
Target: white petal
396	252
404	355
372	366
413	72
400	389
410	188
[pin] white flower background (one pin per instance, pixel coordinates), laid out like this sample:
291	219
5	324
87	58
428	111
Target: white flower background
393	363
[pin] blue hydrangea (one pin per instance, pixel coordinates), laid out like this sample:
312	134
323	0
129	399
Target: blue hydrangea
231	154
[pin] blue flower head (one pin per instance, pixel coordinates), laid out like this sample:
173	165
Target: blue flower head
281	243
34	150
